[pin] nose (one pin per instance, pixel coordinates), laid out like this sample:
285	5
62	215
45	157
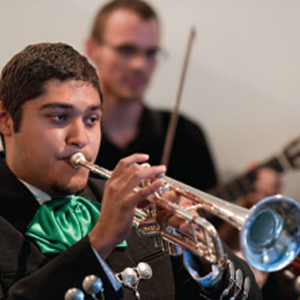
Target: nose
77	134
139	61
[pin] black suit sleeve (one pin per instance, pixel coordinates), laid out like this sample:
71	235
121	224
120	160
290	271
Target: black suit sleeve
65	271
187	288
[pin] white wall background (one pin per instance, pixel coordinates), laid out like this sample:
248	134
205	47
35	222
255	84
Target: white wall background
242	83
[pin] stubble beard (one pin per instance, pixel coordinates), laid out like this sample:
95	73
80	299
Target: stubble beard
60	190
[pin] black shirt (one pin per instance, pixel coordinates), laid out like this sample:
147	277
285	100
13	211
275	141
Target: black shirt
190	161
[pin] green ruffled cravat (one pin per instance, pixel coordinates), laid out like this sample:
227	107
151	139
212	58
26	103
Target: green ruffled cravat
60	223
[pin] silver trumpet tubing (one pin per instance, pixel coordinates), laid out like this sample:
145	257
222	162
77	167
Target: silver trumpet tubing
269	231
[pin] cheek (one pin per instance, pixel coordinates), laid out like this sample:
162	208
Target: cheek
95	141
119	68
151	68
48	143
108	65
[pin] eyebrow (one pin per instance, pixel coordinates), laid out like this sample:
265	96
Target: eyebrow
132	46
68	106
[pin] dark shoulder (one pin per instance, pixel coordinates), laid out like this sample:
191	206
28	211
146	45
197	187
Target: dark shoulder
164	115
187	127
96	185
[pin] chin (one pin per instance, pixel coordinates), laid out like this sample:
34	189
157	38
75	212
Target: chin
63	190
130	97
137	92
73	186
129	94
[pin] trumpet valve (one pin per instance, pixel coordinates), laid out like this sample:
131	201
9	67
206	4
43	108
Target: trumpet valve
149	227
173	248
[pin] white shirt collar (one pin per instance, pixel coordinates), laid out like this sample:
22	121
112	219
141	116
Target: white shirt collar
38	194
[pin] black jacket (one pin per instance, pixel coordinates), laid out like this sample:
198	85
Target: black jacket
26	273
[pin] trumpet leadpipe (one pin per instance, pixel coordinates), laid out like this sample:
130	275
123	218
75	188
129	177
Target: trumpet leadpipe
78	160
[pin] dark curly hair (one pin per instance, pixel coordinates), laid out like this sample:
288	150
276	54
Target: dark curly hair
25	75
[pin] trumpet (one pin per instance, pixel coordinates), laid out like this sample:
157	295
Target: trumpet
269	231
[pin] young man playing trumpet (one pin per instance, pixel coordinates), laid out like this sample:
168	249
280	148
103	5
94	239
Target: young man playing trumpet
51	233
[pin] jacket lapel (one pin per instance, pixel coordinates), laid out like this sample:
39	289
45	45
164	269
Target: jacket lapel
17	204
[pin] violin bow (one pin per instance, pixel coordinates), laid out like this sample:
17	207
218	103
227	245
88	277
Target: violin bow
174	116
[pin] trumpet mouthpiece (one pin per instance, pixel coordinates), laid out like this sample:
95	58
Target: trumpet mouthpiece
77	159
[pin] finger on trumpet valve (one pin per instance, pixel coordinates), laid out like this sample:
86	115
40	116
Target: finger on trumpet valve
148	181
195	207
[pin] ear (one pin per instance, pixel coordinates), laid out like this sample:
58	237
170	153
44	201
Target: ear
91	47
6	123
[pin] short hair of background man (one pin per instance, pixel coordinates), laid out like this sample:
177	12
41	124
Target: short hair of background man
141	8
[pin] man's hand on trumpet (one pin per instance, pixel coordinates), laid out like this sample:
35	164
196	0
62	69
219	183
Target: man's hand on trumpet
120	200
174	220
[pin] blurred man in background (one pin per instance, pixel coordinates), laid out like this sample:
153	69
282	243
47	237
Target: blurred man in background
124	45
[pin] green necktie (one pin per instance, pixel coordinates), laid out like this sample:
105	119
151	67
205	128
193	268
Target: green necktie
60	223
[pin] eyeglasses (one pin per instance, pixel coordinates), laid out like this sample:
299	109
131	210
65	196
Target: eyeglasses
129	51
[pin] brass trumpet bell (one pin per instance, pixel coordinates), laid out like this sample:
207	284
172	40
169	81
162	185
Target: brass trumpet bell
270	236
